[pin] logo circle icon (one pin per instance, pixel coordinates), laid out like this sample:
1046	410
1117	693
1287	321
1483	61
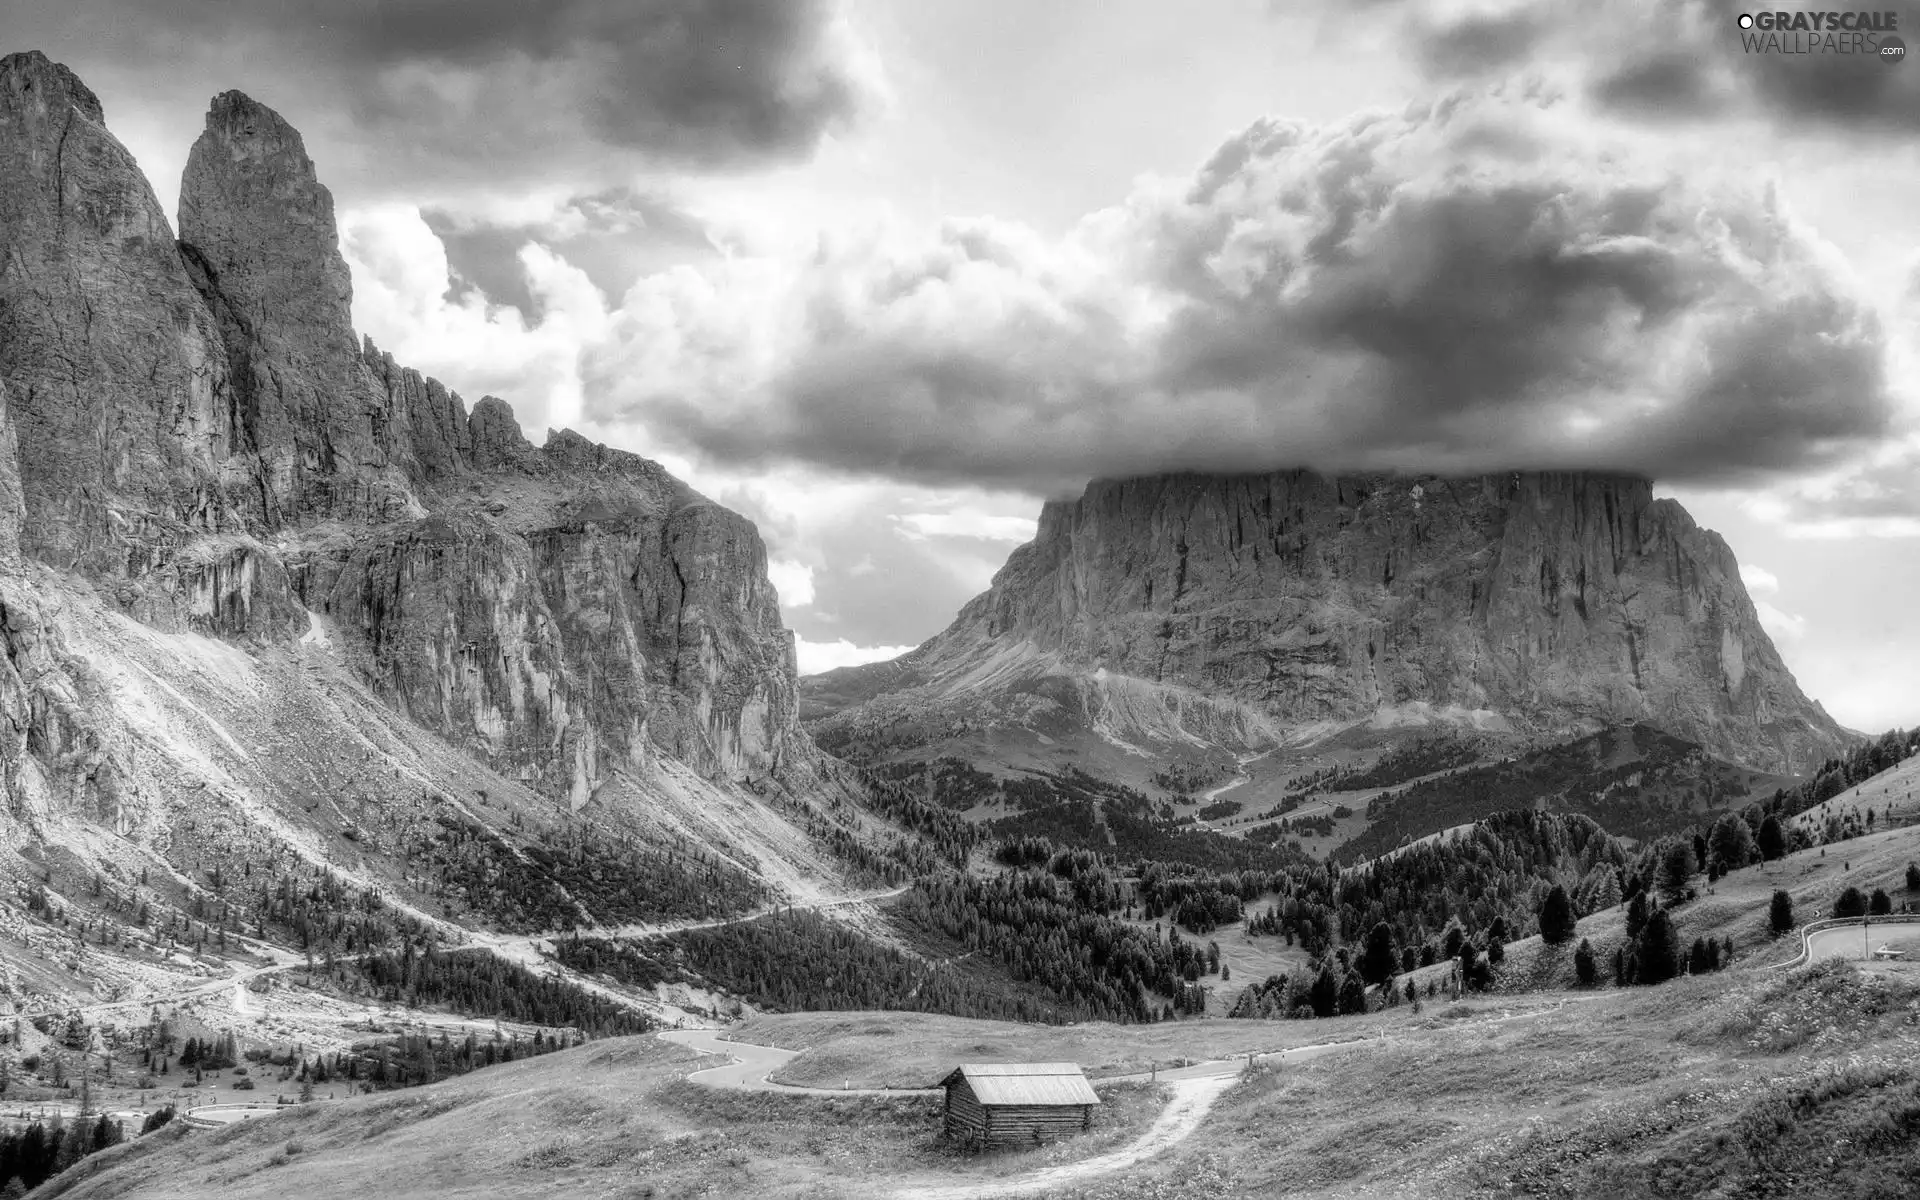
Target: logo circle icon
1746	21
1892	49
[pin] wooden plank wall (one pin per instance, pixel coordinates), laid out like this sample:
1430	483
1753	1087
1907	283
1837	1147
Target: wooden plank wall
1011	1124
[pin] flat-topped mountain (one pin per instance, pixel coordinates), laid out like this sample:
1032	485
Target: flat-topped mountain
1248	611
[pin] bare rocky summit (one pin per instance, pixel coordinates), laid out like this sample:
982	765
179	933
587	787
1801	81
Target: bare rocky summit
1248	611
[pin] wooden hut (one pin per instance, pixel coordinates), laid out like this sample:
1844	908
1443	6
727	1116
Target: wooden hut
1003	1104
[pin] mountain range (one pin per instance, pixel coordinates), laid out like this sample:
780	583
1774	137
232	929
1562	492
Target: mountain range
256	577
267	595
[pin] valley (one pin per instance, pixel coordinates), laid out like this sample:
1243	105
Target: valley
396	804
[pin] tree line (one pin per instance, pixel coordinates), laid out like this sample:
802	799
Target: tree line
799	960
31	1156
482	984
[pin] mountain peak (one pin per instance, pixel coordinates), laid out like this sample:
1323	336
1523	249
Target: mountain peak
31	79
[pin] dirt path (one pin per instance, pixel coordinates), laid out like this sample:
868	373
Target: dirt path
1195	1089
1242	776
1191	1100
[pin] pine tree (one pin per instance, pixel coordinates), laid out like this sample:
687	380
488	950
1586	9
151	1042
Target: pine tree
1780	912
1377	961
1583	965
1557	921
1772	839
1657	951
1677	867
1636	915
1852	903
1324	995
1353	995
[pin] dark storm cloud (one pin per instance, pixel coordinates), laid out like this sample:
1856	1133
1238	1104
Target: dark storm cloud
1478	45
1684	60
1659	85
1465	286
494	89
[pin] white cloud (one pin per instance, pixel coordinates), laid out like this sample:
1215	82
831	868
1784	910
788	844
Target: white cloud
1758	579
794	582
1780	624
815	657
400	277
1556	305
969	523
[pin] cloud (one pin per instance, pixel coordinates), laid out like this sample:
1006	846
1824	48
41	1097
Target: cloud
1478	283
869	578
815	657
1680	61
614	235
990	527
1875	494
1759	579
405	94
794	582
1782	626
1877	497
400	272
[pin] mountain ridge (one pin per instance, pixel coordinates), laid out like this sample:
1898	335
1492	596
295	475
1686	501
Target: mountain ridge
259	459
271	600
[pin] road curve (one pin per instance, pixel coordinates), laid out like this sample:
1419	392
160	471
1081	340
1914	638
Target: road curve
1848	941
1843	937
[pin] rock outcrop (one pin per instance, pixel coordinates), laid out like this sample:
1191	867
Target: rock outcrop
258	235
205	439
1199	608
116	373
12	510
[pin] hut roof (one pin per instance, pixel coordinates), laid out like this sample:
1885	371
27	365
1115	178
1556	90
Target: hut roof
1025	1083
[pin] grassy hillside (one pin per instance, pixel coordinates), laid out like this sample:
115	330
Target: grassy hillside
1724	1085
1739	1083
1735	906
912	1049
1636	781
614	1119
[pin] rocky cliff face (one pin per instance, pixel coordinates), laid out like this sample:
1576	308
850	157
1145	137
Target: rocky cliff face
115	371
202	437
1237	610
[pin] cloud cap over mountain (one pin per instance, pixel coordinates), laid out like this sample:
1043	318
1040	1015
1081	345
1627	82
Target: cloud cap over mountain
1472	284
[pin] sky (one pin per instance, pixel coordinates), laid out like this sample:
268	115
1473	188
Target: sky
885	275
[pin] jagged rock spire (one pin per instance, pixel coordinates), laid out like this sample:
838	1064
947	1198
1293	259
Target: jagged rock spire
114	370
